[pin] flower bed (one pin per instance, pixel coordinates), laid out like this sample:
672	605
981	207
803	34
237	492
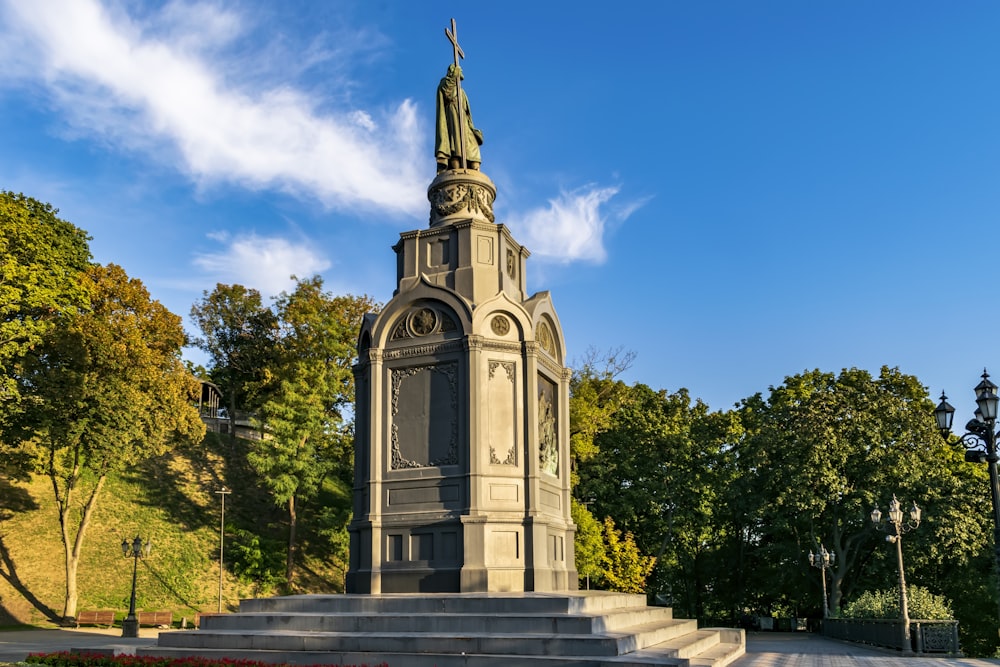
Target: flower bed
67	659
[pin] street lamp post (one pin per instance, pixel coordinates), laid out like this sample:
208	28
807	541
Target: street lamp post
135	550
223	492
900	527
823	560
980	443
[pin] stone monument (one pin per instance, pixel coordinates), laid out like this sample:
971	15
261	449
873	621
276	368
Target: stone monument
462	412
461	541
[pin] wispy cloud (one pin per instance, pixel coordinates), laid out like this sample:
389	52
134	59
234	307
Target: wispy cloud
263	263
161	83
573	225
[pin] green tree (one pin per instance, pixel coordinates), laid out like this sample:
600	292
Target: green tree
589	543
304	396
626	569
595	396
107	389
41	260
818	454
256	560
238	333
656	473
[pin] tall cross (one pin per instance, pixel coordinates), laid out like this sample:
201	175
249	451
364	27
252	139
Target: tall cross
452	36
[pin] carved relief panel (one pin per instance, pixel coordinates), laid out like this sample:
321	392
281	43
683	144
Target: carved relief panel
424	430
500	413
548	427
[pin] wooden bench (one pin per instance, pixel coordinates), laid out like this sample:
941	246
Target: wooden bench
155	618
97	617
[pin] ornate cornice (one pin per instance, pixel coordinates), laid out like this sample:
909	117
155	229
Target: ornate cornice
423	350
474	342
501	346
551	365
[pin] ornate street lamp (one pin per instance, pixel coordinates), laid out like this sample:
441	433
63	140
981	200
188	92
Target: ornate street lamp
900	526
823	560
135	550
980	443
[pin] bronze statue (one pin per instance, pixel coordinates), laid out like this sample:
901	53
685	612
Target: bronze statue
456	139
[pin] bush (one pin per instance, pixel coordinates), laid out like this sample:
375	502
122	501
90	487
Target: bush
922	604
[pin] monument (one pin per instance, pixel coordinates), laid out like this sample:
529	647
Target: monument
462	411
461	541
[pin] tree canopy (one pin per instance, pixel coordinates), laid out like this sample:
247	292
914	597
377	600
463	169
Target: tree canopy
104	390
304	397
42	258
730	503
238	332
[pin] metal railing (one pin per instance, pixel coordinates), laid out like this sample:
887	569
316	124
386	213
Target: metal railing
939	637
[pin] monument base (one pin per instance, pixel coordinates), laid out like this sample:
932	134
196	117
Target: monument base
585	628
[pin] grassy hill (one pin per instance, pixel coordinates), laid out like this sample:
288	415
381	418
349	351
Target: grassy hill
171	500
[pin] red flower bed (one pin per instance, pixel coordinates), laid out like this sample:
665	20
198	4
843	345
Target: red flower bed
67	659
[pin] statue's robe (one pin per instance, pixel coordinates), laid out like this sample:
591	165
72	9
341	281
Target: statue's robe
447	135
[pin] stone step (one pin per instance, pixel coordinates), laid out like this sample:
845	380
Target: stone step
583	602
470	623
392	659
708	647
720	655
453	630
514	644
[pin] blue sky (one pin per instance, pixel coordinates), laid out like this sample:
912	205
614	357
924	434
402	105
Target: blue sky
736	191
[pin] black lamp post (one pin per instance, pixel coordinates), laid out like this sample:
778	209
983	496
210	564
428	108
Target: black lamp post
823	560
135	550
900	527
980	442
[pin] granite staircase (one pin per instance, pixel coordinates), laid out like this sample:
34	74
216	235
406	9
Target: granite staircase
579	629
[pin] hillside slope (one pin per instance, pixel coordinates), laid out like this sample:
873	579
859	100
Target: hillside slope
170	500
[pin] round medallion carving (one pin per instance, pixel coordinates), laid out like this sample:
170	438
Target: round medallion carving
545	339
500	325
423	322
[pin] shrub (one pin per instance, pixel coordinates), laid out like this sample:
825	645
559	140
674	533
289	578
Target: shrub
922	604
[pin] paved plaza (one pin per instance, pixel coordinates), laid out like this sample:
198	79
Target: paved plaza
801	649
15	645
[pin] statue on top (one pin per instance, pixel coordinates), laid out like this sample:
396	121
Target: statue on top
456	139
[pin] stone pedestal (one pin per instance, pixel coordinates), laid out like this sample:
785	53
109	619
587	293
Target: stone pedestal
462	415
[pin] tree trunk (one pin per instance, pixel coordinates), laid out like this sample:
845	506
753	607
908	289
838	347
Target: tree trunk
290	560
835	594
69	604
74	550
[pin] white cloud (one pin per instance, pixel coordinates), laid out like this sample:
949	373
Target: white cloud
263	263
160	83
572	226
